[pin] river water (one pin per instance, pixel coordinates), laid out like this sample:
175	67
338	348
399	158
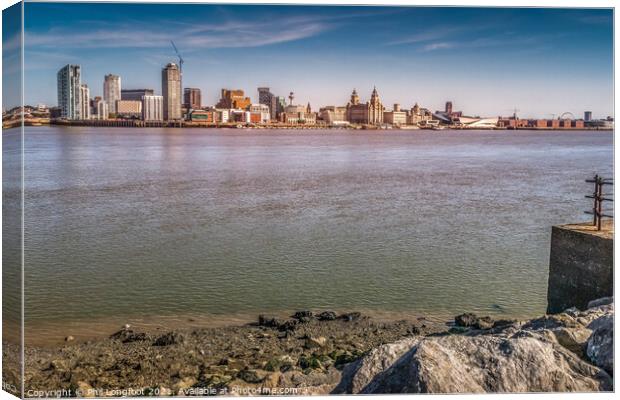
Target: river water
127	223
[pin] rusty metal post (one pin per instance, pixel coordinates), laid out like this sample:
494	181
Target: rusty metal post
599	198
594	205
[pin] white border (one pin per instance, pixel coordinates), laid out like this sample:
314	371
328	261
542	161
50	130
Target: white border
458	3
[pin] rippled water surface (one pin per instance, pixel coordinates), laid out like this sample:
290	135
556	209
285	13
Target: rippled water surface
163	222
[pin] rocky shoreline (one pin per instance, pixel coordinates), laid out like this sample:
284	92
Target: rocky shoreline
324	352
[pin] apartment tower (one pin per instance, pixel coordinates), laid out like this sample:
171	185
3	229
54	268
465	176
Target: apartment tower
171	90
69	87
111	91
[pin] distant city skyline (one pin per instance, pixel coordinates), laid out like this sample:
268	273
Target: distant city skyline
487	61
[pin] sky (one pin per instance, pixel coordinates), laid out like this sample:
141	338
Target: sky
11	57
487	61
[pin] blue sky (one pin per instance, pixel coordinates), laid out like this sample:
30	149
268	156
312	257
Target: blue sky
11	57
486	60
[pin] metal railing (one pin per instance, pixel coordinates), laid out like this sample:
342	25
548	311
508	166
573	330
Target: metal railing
598	198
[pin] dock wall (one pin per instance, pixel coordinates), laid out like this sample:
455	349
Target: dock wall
580	266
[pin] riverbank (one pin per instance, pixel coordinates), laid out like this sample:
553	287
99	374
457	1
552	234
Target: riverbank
305	351
326	352
277	126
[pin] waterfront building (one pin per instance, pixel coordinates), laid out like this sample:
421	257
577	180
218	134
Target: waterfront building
100	109
55	112
419	116
448	108
369	113
333	115
84	102
587	116
222	116
136	94
259	113
68	86
112	91
192	98
476	122
277	106
269	99
153	108
207	116
238	115
131	109
233	99
396	116
298	115
448	115
171	91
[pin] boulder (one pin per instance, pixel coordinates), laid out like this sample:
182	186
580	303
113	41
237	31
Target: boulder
352	316
603	301
314	342
327	316
169	339
127	335
573	339
358	374
483	323
303	316
84	389
250	376
269	321
465	320
600	348
469	320
471	364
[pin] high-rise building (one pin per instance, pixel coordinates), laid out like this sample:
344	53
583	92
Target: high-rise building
587	116
153	108
192	98
267	98
278	103
112	91
68	84
171	90
84	102
448	107
233	99
135	94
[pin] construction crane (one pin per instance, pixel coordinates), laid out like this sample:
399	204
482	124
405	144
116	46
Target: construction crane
181	61
514	112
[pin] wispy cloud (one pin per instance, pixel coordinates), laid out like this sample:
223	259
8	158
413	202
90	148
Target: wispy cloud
438	46
198	36
434	33
231	32
11	43
505	39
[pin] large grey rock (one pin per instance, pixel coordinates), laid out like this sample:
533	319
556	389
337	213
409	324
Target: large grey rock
472	364
600	348
358	374
603	301
573	339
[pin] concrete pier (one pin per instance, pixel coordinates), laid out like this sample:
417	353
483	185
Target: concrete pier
580	265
